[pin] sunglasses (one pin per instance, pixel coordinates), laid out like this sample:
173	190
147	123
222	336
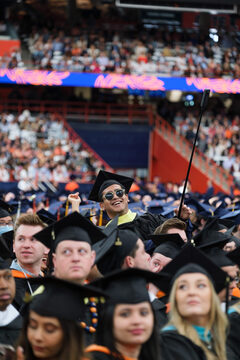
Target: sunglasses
110	195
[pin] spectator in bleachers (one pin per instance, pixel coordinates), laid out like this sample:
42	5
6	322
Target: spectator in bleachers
131	48
218	137
31	151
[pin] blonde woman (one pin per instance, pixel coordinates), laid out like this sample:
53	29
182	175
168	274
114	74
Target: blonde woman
197	326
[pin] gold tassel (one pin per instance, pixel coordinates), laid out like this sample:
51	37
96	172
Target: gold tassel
67	206
91	215
100	218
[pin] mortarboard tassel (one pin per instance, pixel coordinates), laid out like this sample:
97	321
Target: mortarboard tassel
66	209
91	215
100	218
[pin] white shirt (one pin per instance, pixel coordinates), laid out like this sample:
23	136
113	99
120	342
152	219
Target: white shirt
8	315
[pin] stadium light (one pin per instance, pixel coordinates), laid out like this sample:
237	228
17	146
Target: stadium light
211	6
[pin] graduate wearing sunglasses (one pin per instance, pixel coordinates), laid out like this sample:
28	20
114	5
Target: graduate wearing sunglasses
111	191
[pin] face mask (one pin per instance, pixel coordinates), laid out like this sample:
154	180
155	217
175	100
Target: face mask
6	228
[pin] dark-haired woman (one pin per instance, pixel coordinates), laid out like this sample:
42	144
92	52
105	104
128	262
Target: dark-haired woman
51	328
48	337
127	326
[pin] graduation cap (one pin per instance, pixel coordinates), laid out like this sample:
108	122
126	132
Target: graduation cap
217	224
201	208
168	212
167	244
131	226
128	286
6	209
88	209
221	209
234	256
55	205
72	227
6	244
46	216
211	238
91	210
125	241
103	246
230	230
212	224
4	264
155	206
233	215
137	207
38	197
219	257
60	298
20	205
192	260
228	223
105	179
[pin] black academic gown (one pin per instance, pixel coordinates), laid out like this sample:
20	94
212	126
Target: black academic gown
233	339
9	333
178	347
160	312
145	224
21	290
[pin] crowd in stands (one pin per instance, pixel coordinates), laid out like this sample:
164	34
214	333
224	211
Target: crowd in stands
37	148
159	54
138	51
218	137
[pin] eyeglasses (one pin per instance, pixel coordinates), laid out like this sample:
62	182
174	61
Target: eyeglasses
8	223
110	195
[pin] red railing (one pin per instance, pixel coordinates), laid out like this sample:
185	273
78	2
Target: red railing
84	112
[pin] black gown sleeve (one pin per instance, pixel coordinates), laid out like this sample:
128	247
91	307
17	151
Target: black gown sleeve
147	223
9	333
233	339
178	347
160	313
21	289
